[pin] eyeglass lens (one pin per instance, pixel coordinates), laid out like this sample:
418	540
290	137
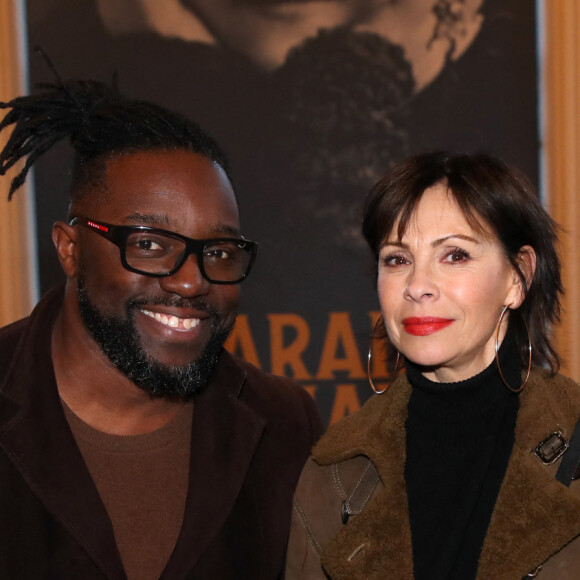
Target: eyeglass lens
156	253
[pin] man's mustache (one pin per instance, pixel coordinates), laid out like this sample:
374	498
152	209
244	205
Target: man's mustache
173	301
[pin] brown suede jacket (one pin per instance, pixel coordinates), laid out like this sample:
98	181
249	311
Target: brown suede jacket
534	529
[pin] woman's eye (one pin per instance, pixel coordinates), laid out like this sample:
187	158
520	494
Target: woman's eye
457	256
394	260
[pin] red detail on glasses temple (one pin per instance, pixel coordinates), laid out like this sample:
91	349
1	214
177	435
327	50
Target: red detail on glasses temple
97	226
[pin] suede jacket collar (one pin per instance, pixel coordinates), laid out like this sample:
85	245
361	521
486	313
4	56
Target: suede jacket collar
534	516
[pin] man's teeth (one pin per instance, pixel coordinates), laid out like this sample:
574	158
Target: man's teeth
173	321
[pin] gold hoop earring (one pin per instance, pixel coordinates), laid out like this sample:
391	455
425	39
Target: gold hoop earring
370	359
521	387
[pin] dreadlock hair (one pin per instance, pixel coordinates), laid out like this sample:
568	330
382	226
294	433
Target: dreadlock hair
100	123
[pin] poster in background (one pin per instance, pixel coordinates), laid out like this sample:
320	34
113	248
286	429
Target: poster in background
312	101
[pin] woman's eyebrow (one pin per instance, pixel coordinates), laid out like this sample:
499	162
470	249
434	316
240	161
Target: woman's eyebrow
444	239
397	244
435	243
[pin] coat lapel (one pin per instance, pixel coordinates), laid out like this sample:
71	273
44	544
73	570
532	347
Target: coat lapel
379	544
535	515
35	436
225	436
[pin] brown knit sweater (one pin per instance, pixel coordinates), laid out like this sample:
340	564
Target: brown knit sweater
142	480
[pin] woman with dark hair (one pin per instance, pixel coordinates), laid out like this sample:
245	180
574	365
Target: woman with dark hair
463	466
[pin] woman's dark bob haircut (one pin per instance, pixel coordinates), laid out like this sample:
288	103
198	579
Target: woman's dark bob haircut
494	198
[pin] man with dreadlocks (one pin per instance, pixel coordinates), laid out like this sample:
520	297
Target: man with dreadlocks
131	444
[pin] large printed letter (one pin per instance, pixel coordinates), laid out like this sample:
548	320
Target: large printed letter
346	402
240	341
339	333
290	355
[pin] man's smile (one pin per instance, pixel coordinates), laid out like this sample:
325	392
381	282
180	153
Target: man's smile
172	320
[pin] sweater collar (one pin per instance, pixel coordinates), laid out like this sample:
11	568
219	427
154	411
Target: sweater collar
458	402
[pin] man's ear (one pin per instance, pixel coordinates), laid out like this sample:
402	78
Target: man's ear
526	260
66	241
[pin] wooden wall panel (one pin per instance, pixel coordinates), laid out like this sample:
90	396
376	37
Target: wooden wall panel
17	263
561	87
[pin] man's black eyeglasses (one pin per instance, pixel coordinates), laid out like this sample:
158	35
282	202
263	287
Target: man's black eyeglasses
156	252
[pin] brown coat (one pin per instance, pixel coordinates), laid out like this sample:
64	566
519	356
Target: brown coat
251	434
535	522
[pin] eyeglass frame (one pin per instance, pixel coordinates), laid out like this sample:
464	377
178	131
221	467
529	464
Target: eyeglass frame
118	234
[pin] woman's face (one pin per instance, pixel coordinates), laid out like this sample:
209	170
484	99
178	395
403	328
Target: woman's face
442	288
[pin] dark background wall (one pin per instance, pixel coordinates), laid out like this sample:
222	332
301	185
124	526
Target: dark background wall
306	141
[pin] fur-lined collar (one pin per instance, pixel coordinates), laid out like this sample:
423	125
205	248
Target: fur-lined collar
534	516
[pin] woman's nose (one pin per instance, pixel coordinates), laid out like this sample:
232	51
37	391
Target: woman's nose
421	284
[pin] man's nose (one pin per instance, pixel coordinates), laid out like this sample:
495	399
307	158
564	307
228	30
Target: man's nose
188	281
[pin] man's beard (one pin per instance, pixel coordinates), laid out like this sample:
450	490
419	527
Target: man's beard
120	342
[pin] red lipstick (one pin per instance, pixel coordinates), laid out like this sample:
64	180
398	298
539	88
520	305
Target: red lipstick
423	326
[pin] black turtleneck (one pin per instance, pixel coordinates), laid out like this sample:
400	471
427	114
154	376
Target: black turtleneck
459	439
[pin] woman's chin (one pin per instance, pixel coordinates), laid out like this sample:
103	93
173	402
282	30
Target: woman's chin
426	366
429	361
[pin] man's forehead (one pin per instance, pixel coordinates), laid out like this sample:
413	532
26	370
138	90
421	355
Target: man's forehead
177	190
138	162
165	175
163	221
